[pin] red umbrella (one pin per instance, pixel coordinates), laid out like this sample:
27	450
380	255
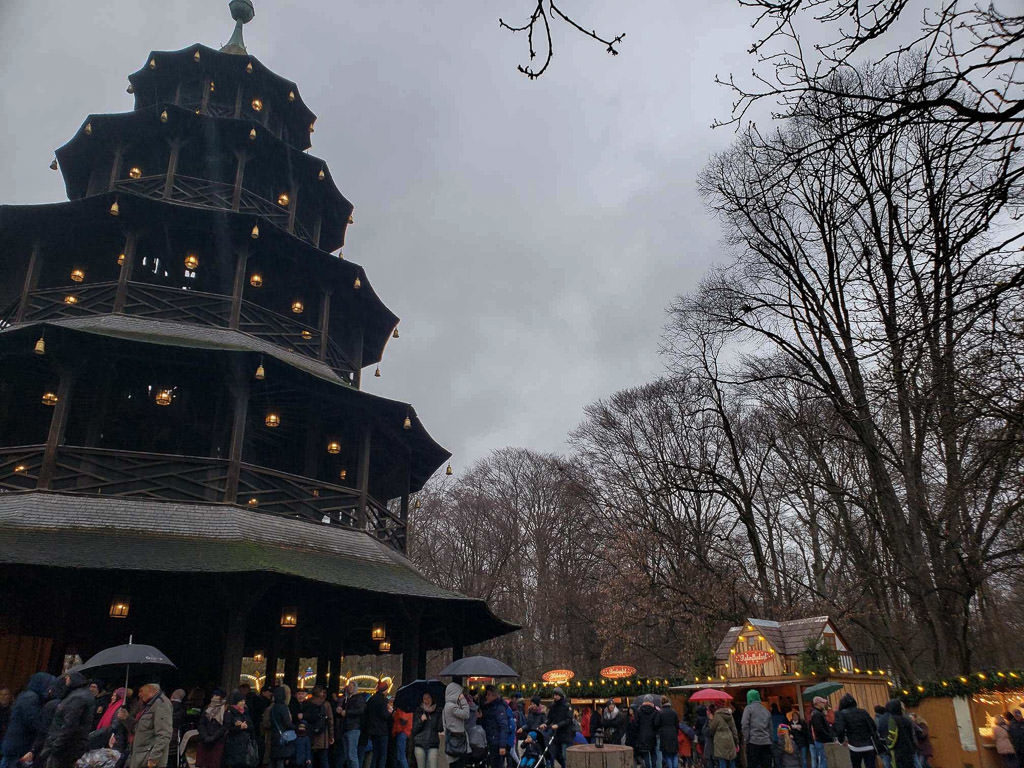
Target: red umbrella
710	694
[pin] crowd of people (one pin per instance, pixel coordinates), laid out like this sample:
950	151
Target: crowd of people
70	722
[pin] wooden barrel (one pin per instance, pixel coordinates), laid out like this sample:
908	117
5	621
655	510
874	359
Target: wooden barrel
608	756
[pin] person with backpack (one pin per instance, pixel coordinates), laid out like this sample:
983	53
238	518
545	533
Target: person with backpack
923	740
857	728
789	753
896	733
319	720
281	730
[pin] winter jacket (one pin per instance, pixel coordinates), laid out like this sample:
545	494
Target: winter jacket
378	720
800	732
210	729
924	742
613	720
536	716
401	722
153	728
280	718
319	722
355	708
1017	737
903	748
723	734
561	715
686	740
821	729
68	734
23	724
854	725
456	712
756	724
667	722
303	752
495	723
1004	744
425	731
236	738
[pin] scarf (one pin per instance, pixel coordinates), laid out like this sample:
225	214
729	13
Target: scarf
427	709
216	709
108	714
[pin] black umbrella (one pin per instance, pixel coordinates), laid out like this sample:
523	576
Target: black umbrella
124	659
478	666
408	697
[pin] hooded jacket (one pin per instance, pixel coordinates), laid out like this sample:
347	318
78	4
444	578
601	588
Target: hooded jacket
24	721
69	731
904	748
281	721
495	723
456	709
756	722
723	734
667	723
854	725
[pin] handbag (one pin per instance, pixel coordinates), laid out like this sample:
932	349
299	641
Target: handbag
456	743
287	737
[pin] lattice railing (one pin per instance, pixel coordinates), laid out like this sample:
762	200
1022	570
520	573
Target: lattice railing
19	467
281	330
160	302
385	524
295	496
92	299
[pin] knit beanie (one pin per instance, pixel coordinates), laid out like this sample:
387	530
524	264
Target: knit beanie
558	692
753	696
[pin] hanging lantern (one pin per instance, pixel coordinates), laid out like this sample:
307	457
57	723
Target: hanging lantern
130	88
291	96
135	172
40	348
407	424
260	373
256	280
273	420
257	104
255	231
311	129
248	68
343	474
119	607
21	469
449	470
212	87
50	398
77	275
53	165
88	129
195	58
307	335
191	262
252	135
379	631
120	259
394	333
71	299
321	176
334	447
253	502
163	397
152	63
298	307
418	504
358	283
350	219
283	199
385	646
115	209
163	116
289	617
376	373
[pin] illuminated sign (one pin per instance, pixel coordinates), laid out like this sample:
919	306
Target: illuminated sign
618	672
558	676
753	657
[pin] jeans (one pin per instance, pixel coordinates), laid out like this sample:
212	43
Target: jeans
380	752
425	758
646	759
401	741
805	757
818	755
558	750
886	759
351	739
671	761
723	763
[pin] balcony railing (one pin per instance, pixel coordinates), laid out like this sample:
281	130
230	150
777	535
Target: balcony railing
197	480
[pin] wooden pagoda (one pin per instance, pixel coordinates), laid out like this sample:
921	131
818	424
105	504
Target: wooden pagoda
185	452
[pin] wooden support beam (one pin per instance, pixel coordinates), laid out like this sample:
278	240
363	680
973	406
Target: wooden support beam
236	196
325	322
238	288
121	296
115	167
321	669
234	644
240	410
58	423
31	279
291	659
172	167
293	204
364	475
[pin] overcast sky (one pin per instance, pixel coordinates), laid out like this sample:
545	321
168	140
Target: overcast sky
529	234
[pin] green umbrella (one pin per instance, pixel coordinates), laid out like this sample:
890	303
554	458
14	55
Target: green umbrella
821	689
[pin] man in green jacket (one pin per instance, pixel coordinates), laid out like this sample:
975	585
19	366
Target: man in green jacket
153	728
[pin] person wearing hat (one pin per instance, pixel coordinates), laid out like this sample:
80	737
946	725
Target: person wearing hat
153	727
560	725
756	725
613	721
821	732
239	733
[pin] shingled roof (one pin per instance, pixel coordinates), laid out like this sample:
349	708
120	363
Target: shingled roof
790	638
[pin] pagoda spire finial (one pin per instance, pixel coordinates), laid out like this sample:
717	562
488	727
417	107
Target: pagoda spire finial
242	12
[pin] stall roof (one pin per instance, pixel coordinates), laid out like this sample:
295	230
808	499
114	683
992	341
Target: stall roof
789	638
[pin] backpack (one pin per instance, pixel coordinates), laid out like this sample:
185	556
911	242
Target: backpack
315	720
892	734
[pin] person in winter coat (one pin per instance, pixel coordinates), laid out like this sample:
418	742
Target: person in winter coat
23	723
896	733
788	755
210	752
800	732
560	725
857	728
821	732
401	732
316	714
303	748
68	734
154	725
239	732
6	702
1004	744
687	740
1016	729
756	725
426	727
725	739
378	725
280	721
351	713
644	732
495	722
613	720
925	751
455	717
667	722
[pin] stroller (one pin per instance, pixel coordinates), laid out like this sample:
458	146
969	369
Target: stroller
183	743
531	755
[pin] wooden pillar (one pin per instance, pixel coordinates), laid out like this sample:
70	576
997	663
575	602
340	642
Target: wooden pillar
240	397
121	296
421	662
238	288
207	83
115	167
236	195
58	422
172	167
404	508
411	648
291	658
313	442
321	669
325	320
234	645
364	475
293	204
31	279
317	225
238	101
270	670
357	357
